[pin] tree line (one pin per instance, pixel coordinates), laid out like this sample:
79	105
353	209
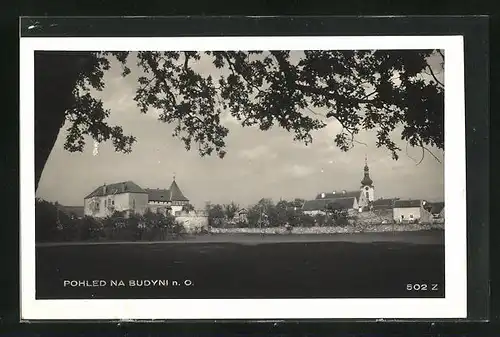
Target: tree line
266	213
54	224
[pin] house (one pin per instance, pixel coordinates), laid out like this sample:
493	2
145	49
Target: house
335	201
411	211
169	200
127	197
241	216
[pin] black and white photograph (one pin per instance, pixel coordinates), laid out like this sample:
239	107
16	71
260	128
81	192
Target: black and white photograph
243	177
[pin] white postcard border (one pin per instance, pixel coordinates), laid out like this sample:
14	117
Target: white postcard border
454	305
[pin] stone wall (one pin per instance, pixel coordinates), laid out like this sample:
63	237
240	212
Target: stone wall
194	221
374	217
330	230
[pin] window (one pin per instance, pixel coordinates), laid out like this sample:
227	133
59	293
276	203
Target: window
411	216
104	203
367	195
112	202
133	204
402	216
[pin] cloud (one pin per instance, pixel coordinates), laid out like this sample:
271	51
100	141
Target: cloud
259	152
299	171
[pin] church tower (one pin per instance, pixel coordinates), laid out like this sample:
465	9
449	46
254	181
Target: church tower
367	188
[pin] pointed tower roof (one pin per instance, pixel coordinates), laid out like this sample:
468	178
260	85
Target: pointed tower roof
367	181
176	193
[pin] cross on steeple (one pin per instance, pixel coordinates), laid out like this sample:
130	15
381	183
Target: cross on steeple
174	176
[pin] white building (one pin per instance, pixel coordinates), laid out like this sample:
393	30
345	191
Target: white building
367	194
411	211
126	197
167	200
334	201
129	197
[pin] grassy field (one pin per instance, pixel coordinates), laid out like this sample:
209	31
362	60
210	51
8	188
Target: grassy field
356	265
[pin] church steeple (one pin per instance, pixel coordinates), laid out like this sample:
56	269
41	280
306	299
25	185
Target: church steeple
367	181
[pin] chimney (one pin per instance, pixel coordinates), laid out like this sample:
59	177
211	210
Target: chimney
104	189
124	187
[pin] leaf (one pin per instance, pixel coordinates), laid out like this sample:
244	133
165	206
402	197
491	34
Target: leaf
362	90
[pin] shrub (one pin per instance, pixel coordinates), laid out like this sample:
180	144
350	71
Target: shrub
153	234
306	220
70	231
90	229
342	222
241	224
50	221
203	231
320	220
329	222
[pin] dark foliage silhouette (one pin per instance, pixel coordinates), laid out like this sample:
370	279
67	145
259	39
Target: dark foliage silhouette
363	90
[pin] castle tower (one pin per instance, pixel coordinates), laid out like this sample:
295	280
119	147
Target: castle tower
367	188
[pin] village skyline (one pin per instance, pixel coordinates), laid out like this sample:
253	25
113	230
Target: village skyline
258	164
308	183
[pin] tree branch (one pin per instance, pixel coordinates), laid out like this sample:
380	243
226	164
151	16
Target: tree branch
147	84
352	137
424	149
432	154
434	76
234	71
186	61
315	113
408	155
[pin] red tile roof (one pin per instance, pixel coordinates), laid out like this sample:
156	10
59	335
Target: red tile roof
384	203
158	194
320	204
407	203
172	194
116	188
175	193
342	194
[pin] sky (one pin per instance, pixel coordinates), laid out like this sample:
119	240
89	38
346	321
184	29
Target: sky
258	164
